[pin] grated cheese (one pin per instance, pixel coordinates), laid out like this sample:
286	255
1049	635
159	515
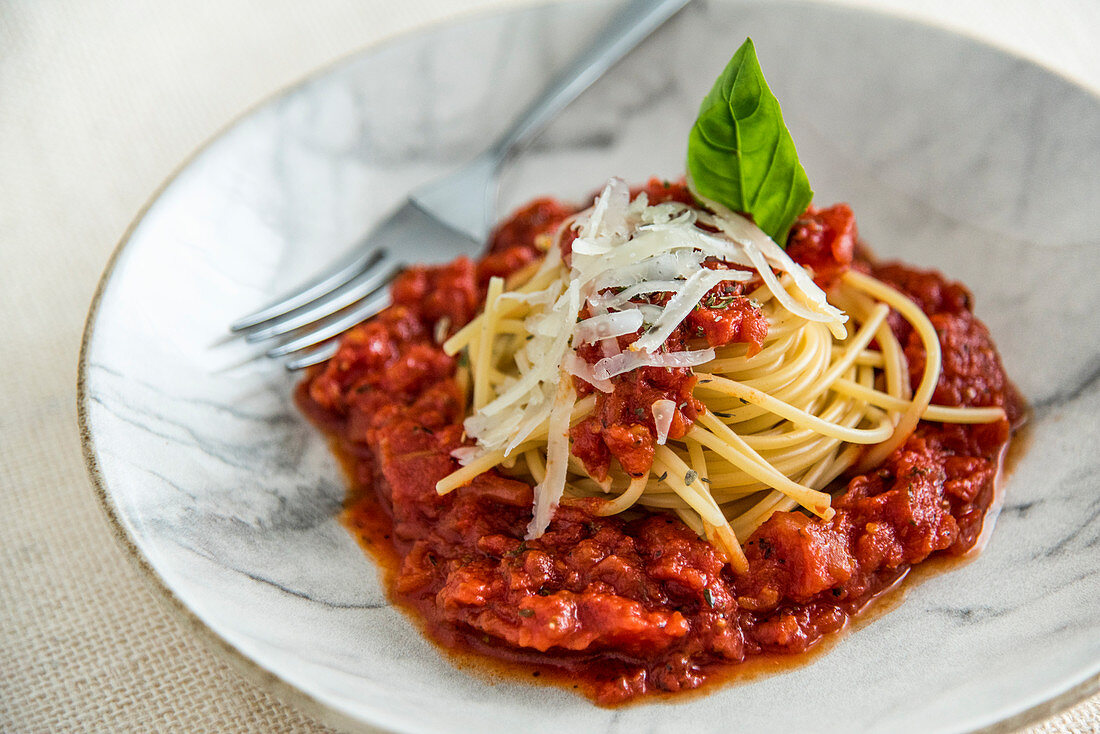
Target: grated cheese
628	361
624	249
664	411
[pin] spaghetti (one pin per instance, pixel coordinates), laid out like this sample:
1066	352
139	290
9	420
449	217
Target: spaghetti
815	385
638	435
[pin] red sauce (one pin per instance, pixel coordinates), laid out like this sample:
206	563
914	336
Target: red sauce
622	425
638	604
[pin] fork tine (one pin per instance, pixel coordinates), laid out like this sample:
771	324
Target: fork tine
365	284
315	289
361	311
316	356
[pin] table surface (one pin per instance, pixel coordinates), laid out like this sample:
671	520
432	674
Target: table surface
101	103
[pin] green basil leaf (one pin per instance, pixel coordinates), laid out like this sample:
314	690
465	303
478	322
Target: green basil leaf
740	153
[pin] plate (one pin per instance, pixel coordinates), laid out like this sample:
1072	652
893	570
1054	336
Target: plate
953	155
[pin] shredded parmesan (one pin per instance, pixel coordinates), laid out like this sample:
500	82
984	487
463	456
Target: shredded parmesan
624	252
609	367
664	411
607	325
680	305
574	365
549	491
466	454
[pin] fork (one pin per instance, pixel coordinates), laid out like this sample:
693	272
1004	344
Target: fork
440	220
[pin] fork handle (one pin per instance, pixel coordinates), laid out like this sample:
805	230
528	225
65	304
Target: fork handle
632	24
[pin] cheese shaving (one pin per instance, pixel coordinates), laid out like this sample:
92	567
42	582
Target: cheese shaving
628	361
624	252
682	302
574	365
549	491
607	325
664	410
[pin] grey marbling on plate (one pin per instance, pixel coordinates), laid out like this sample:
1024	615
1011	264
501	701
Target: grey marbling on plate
953	155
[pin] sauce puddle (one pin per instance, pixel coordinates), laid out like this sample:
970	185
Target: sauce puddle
369	521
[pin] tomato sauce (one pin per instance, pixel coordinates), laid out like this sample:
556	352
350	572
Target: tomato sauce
638	604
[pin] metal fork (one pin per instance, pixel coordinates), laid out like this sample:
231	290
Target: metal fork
440	220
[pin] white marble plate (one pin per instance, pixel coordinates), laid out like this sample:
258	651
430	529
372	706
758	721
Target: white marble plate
953	155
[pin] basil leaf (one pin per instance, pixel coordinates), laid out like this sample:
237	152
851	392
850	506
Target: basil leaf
740	153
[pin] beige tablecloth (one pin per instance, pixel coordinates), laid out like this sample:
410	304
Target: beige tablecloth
99	103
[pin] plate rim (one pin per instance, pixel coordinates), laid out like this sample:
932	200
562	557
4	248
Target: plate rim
255	673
